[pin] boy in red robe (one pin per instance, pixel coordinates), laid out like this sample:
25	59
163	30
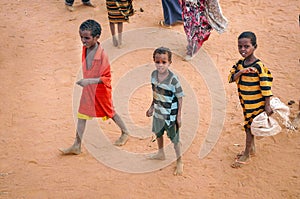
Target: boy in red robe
96	97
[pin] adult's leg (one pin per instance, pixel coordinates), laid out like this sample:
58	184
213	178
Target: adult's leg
172	12
75	149
69	5
69	2
113	33
88	3
124	136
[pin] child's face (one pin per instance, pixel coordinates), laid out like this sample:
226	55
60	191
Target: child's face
162	62
87	39
246	49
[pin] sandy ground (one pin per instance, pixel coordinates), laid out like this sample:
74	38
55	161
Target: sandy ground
40	59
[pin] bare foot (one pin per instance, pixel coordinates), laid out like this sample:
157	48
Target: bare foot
70	8
115	41
122	140
120	45
73	150
179	169
242	160
252	153
157	156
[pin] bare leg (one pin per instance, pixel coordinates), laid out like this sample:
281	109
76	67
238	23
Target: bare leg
124	136
120	32
160	155
75	149
252	150
113	33
250	146
179	164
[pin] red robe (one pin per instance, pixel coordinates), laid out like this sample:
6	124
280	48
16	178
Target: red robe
96	99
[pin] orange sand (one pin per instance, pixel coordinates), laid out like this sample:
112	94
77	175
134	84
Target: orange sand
39	61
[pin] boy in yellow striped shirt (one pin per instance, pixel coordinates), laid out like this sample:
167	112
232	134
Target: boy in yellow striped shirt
254	83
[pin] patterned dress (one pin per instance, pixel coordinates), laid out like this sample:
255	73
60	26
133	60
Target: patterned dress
252	89
200	17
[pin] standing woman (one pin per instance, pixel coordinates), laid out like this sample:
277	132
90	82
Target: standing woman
172	13
199	18
119	11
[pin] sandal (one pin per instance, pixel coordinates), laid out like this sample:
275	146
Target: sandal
238	163
162	24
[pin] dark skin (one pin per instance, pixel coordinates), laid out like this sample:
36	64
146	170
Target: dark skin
246	49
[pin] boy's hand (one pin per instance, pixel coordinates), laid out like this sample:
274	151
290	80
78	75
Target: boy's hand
249	70
178	121
149	113
268	110
83	82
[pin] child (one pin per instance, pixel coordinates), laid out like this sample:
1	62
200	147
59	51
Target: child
254	83
166	105
119	11
96	98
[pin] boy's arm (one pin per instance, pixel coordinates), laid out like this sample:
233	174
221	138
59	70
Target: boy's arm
179	112
87	81
268	108
245	70
149	112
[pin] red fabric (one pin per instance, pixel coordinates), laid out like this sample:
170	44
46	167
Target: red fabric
96	99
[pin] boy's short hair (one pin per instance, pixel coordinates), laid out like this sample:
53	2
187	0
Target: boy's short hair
163	50
91	25
249	35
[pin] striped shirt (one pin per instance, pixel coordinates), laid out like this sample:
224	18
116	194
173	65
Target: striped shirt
252	88
165	97
119	10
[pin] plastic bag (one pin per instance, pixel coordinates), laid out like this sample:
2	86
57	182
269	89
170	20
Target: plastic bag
264	125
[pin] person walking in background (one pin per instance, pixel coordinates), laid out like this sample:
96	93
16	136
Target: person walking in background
199	18
69	4
172	13
119	11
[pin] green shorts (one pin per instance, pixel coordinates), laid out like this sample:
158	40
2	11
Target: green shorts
159	127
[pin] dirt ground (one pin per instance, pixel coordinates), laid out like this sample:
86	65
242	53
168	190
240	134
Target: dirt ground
40	55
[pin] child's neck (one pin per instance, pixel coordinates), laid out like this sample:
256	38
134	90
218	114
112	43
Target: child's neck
249	60
162	76
92	48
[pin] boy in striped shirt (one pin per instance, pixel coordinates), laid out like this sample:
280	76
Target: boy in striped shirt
254	82
166	105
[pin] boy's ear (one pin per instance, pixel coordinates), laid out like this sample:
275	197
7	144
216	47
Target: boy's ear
255	46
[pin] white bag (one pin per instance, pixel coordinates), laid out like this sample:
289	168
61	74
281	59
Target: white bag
264	125
283	111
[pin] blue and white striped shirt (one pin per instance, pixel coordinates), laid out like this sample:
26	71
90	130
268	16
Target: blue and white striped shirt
165	97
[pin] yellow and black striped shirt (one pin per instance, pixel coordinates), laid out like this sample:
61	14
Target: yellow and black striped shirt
119	10
252	88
